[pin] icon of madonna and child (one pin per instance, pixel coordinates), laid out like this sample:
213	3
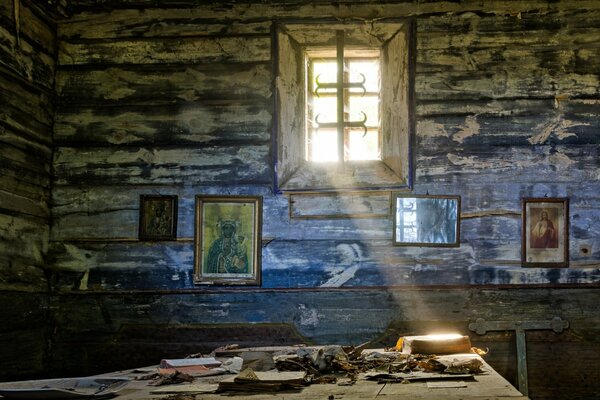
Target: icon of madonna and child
228	231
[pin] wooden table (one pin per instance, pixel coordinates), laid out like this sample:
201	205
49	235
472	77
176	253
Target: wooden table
489	385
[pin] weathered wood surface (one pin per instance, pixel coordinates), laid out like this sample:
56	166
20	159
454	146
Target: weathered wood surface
318	316
507	106
305	263
33	25
157	24
164	84
176	51
27	64
189	124
113	9
26	59
341	205
152	165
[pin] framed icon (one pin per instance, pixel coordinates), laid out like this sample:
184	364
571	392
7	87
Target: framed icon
227	245
158	217
545	232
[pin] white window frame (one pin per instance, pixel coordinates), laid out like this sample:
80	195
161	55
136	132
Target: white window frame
394	170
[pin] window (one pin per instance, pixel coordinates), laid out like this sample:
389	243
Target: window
361	136
370	147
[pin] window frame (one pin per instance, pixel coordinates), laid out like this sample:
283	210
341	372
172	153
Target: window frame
395	39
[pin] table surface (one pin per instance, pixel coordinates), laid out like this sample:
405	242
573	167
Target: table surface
488	385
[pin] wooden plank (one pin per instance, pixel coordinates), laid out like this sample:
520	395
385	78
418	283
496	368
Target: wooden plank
111	212
32	102
163	84
552	21
543	163
303	264
87	10
11	182
191	123
571	59
18	204
21	141
26	60
506	81
565	38
441	132
340	205
12	156
168	50
153	23
162	165
25	183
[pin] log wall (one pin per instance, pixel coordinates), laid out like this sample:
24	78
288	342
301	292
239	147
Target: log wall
27	65
179	100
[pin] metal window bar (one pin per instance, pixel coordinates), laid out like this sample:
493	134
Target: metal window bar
341	85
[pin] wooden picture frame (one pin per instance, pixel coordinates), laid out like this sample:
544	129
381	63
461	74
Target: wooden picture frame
545	232
427	221
227	240
158	218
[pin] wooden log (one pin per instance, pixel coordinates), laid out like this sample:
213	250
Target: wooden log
162	126
110	213
523	85
482	106
543	163
85	10
167	50
565	38
553	20
162	165
327	263
163	84
548	59
153	23
555	127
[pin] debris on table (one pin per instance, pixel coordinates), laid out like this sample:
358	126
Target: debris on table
268	369
471	366
251	381
167	379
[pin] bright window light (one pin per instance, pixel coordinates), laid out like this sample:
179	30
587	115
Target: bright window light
321	106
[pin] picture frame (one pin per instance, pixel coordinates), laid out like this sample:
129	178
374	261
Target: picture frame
426	220
158	218
227	240
545	232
